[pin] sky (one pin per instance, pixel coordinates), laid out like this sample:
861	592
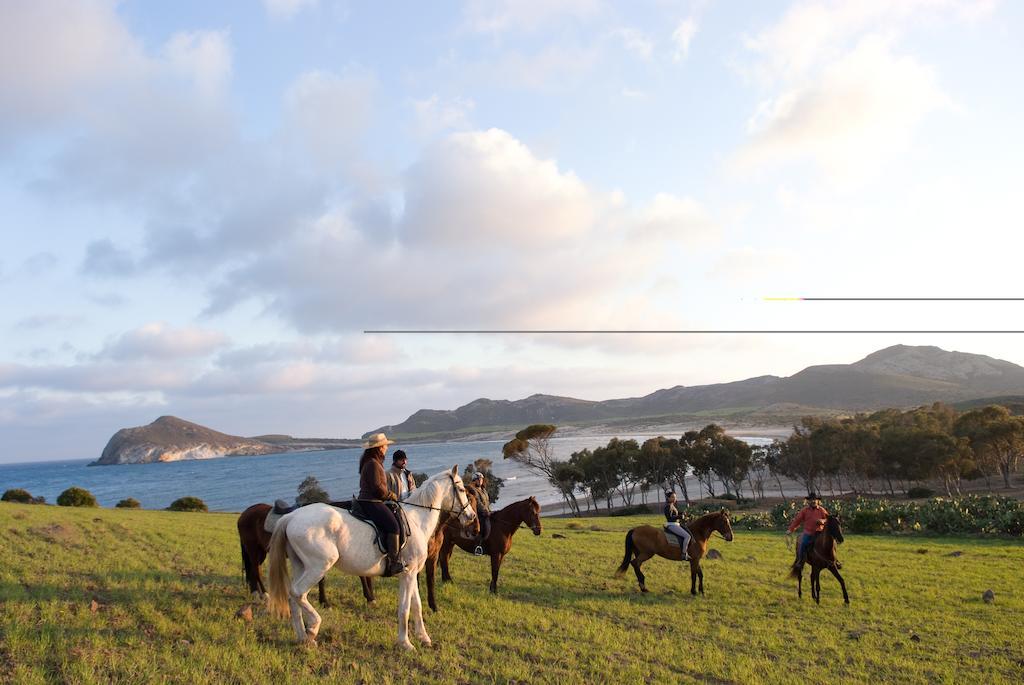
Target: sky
204	205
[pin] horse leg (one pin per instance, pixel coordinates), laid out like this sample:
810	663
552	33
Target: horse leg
431	568
700	578
367	584
417	614
637	560
444	555
495	567
293	603
800	583
842	583
323	597
816	584
301	586
405	582
693	576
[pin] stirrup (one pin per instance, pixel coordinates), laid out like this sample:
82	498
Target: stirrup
394	568
478	551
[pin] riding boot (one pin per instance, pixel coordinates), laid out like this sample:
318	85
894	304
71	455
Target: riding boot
394	566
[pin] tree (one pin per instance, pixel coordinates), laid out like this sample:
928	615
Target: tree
678	465
996	438
76	497
493	483
655	462
727	457
128	503
187	504
419	478
532	448
694	445
310	491
18	495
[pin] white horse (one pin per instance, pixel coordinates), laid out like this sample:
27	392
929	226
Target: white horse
318	536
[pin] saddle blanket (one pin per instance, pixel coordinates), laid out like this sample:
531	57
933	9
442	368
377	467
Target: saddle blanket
672	538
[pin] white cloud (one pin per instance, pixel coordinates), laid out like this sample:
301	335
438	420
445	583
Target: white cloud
497	16
671	219
158	341
862	108
747	263
286	9
434	115
204	57
330	111
55	53
636	42
682	37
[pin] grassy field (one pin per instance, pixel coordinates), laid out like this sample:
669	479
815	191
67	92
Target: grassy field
167	587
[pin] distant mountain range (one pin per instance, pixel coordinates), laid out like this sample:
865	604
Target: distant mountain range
897	376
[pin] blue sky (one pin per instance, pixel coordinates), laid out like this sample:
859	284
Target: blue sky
206	203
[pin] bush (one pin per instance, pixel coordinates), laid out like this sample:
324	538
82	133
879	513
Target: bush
17	495
631	511
187	504
920	493
128	503
76	497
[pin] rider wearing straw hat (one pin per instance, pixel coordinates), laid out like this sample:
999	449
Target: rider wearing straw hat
373	491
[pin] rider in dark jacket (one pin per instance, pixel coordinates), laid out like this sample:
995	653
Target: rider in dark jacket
373	490
483	511
674	519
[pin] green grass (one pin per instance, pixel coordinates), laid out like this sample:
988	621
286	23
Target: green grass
170	584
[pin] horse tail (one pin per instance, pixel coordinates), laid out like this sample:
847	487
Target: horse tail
794	572
629	553
279	577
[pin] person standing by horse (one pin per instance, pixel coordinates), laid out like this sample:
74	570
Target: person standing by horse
373	493
400	480
483	511
812	517
674	524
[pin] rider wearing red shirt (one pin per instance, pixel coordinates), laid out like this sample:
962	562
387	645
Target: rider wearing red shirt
813	517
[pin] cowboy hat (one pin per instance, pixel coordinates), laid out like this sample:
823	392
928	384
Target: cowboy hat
376	440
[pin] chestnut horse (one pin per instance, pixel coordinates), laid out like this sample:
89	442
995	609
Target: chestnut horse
504	524
643	542
822	555
255	543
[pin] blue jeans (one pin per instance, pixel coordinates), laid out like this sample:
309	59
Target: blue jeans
806	542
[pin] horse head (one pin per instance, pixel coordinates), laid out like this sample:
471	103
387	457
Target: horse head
834	525
723	525
533	516
459	504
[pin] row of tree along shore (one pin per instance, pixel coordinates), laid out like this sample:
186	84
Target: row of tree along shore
889	451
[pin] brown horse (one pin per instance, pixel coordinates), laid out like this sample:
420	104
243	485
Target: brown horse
255	543
643	542
822	555
504	524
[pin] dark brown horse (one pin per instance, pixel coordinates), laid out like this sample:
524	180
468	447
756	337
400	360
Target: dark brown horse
822	555
255	543
643	542
504	524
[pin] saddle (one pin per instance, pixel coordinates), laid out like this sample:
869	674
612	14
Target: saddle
281	508
672	538
356	509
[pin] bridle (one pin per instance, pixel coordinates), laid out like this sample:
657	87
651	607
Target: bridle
454	513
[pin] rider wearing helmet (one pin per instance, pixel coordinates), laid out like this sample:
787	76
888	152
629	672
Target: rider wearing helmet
483	511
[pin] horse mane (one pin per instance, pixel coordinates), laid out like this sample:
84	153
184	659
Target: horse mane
511	507
430	485
703	522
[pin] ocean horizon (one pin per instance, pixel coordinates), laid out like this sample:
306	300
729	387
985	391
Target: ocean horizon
235	483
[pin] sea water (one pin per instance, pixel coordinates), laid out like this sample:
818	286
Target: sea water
233	483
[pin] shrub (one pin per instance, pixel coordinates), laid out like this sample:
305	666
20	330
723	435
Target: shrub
187	504
17	495
920	493
76	497
128	503
631	511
